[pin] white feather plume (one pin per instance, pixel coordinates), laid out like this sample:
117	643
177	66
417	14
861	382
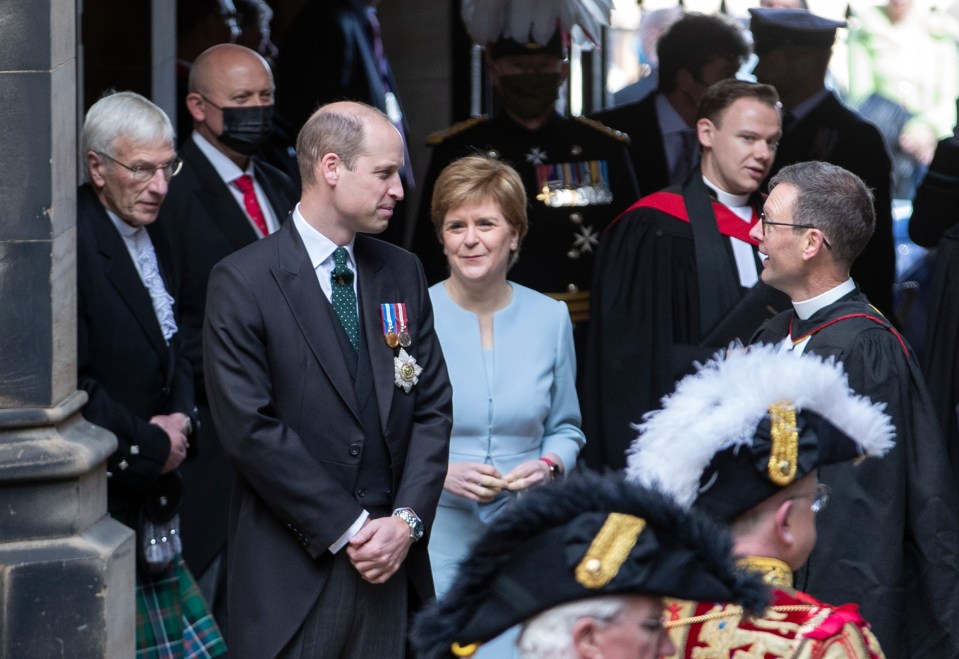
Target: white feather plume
520	20
721	405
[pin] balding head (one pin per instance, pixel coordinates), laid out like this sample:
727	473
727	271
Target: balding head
225	60
338	128
224	78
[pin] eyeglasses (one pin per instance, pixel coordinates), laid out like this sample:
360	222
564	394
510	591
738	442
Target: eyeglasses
765	223
651	625
144	173
819	498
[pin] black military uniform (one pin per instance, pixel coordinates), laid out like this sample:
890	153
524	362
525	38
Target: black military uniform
578	179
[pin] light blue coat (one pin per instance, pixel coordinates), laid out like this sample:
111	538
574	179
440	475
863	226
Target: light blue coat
524	407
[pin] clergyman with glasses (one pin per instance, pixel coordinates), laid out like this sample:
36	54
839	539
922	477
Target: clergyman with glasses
129	362
677	275
890	541
746	440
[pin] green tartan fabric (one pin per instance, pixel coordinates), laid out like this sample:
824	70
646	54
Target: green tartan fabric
173	621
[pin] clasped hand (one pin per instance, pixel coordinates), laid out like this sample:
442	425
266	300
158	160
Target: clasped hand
483	483
379	548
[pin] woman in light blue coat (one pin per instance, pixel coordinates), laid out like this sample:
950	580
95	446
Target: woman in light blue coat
509	351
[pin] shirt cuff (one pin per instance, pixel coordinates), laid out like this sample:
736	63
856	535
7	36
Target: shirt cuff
350	532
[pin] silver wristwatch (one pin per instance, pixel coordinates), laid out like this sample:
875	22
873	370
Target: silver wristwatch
408	516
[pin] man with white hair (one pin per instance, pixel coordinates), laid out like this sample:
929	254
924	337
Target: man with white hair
583	566
130	362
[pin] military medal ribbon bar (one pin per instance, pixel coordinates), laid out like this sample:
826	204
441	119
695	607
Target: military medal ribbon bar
388	313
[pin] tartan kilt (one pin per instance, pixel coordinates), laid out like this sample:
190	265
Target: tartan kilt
173	621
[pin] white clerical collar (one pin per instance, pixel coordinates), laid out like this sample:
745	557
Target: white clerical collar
318	247
807	308
727	199
226	169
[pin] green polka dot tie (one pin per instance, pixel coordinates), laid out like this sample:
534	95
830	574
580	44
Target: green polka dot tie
344	297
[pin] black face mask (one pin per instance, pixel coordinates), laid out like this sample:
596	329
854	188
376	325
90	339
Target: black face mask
529	95
246	129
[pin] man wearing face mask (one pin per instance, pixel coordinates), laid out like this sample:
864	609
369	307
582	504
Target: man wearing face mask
224	199
577	172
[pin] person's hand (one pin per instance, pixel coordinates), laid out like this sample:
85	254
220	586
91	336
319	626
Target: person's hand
474	480
527	474
379	548
174	425
919	141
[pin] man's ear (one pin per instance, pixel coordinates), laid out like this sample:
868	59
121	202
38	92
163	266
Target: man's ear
584	639
563	71
194	105
329	166
704	131
814	244
785	534
95	167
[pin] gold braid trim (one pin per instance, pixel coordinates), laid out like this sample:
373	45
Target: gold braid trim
609	550
784	452
774	571
733	612
464	650
439	136
604	129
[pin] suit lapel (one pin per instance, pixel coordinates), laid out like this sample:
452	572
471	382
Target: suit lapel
296	278
123	276
375	289
218	201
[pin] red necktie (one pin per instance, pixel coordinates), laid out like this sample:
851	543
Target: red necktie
245	184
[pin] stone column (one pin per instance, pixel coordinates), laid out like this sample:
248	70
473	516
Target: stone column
66	568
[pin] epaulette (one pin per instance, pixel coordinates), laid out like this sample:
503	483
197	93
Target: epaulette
439	136
605	130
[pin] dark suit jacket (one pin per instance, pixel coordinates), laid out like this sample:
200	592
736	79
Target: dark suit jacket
835	134
639	121
206	224
123	363
286	410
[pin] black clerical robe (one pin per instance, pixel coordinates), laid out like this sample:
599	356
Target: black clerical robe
666	293
889	538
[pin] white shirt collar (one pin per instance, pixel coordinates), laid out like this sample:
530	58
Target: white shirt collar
807	308
227	170
127	231
727	199
318	247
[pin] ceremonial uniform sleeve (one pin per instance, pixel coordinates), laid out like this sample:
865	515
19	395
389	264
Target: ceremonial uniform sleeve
851	642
